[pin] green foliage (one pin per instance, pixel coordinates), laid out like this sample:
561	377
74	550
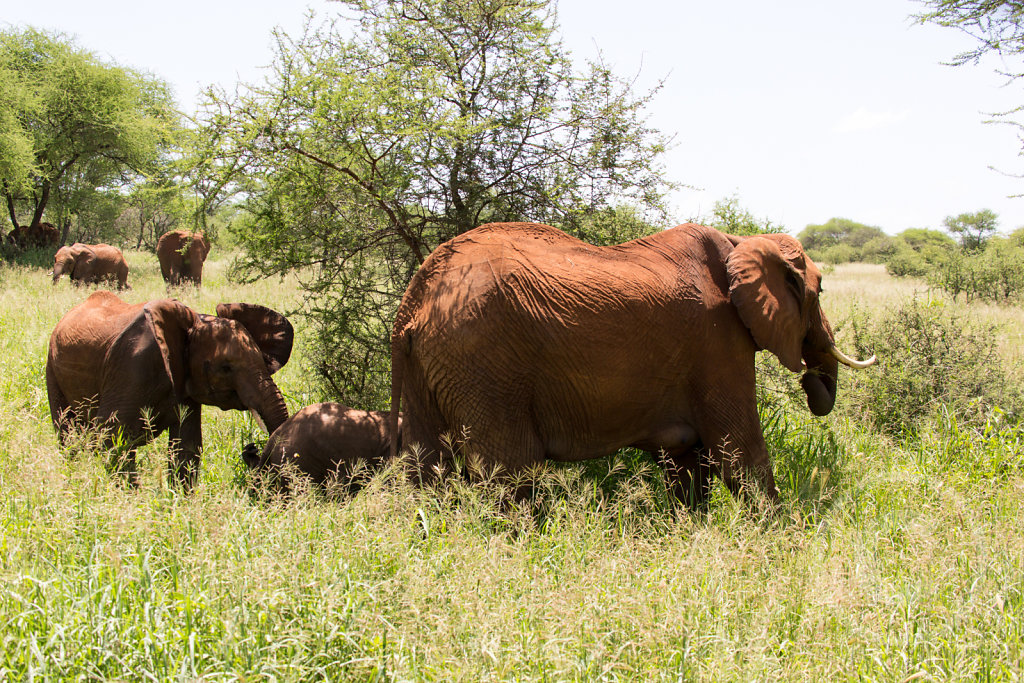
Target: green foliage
888	559
840	240
729	217
905	262
972	230
614	225
838	231
998	28
994	273
918	251
73	127
925	241
361	154
930	360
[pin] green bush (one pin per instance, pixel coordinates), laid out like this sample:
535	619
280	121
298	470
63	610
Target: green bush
840	253
930	360
879	249
996	273
905	262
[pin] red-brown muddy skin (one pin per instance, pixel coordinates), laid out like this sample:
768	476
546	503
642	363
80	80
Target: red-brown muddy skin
326	441
182	254
542	347
91	264
144	368
36	235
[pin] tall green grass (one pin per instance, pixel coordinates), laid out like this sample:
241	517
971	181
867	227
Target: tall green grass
890	558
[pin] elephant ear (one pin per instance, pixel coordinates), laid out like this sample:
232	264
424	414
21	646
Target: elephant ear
768	292
170	322
269	329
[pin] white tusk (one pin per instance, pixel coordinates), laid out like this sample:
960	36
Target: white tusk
846	360
259	420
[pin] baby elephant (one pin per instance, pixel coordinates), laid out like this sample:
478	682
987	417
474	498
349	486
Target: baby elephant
91	264
325	442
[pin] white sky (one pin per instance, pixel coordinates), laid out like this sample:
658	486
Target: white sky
804	109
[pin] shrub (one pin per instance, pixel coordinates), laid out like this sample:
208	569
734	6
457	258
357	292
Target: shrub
930	359
905	262
840	253
994	274
879	249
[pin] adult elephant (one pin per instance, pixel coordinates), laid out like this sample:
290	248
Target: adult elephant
182	254
540	346
138	370
324	442
91	264
34	235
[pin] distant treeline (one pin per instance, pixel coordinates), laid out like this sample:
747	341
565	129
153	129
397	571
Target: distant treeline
969	259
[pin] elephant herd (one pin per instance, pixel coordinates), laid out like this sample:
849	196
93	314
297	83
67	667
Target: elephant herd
181	254
513	344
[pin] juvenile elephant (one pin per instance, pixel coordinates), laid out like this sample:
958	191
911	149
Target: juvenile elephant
324	442
545	347
138	370
91	264
182	254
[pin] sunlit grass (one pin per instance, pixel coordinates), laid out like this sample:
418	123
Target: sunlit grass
888	560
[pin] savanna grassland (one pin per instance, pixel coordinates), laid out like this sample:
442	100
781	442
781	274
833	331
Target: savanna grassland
896	554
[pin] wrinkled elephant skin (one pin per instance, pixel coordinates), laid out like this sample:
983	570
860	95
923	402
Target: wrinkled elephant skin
135	371
182	254
91	264
324	442
540	346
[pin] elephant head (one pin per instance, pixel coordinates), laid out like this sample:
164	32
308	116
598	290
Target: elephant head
775	288
224	360
64	261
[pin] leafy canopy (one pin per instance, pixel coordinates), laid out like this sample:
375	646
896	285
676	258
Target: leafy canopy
71	125
998	28
837	231
972	229
377	138
730	217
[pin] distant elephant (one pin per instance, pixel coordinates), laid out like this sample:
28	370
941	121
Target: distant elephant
91	264
542	347
137	370
33	236
182	254
325	441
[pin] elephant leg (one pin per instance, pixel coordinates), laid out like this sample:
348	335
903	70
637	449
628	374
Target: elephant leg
422	449
690	475
60	408
508	456
185	443
737	449
121	462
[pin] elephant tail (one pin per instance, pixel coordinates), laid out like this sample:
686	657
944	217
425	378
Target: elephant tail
401	341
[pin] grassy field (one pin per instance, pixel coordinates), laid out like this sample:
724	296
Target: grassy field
894	558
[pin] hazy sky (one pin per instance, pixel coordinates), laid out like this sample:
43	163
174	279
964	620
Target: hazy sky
804	109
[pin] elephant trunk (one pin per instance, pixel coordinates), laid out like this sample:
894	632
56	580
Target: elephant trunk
820	382
264	398
820	389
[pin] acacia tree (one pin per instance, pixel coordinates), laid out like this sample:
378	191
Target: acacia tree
71	125
375	139
972	229
998	28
